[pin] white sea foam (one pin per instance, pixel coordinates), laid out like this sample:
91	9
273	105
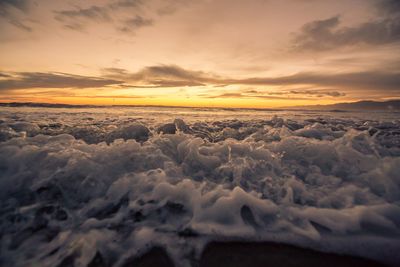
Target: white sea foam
72	184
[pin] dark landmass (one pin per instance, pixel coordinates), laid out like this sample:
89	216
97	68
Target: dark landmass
156	257
367	105
392	105
251	254
46	105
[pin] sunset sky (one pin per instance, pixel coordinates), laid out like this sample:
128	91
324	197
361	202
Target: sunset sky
235	53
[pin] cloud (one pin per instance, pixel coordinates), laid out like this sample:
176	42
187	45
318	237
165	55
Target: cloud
389	7
253	94
163	76
135	23
173	72
319	93
115	96
115	71
27	80
169	7
277	95
378	80
96	13
11	11
19	24
320	35
307	92
174	76
74	19
125	15
77	18
326	34
75	26
18	4
126	4
4	75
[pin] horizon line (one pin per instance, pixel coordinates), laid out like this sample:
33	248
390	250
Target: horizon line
298	107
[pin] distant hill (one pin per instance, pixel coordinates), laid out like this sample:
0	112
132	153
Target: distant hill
392	105
42	105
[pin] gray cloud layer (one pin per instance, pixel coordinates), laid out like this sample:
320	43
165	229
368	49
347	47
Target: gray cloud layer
8	14
302	94
328	34
27	80
319	93
255	94
357	80
19	4
124	15
93	13
174	76
170	75
164	76
77	18
130	25
389	6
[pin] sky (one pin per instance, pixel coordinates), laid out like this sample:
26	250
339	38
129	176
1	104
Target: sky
228	53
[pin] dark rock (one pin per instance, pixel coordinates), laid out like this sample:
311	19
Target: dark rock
68	261
48	209
135	131
39	223
372	131
61	215
109	210
188	232
247	216
49	192
168	128
97	261
138	216
19	238
16	218
175	208
181	125
156	257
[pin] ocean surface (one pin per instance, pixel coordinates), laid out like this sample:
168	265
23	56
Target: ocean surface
115	181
